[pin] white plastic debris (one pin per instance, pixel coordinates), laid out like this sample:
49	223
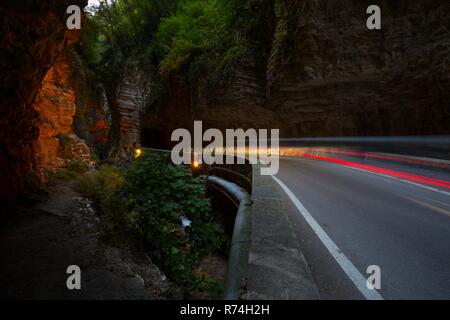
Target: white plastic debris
185	222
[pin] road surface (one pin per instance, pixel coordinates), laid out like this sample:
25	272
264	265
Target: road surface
401	227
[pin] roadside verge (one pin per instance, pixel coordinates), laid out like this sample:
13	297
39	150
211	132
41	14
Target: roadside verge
277	268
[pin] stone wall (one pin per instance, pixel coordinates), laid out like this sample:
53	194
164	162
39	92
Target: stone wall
335	77
126	106
33	34
92	120
326	74
56	105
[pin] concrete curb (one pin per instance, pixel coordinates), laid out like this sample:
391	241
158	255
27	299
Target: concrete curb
277	268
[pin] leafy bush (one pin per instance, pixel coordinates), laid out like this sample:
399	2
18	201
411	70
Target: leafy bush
198	26
207	284
73	170
160	194
147	201
77	166
102	185
63	174
200	41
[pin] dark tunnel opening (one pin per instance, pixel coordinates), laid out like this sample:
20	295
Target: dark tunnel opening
154	138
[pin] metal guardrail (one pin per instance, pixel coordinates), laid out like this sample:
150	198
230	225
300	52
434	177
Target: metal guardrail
237	187
238	178
237	273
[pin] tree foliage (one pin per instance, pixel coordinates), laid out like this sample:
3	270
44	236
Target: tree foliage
122	32
206	40
200	40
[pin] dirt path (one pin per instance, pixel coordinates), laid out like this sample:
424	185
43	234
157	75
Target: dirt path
39	242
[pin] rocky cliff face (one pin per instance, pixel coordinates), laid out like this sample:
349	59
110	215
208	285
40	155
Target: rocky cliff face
56	103
92	120
33	34
56	106
127	104
326	74
336	77
240	103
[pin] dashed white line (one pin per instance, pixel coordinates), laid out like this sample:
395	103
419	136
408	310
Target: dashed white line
347	266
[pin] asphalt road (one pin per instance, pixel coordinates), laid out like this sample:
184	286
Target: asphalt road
374	220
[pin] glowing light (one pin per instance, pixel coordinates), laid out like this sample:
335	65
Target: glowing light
195	164
138	153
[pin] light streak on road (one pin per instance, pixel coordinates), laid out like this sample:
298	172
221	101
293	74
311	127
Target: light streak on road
388	172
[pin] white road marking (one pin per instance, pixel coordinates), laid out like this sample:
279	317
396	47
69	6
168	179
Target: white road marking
347	266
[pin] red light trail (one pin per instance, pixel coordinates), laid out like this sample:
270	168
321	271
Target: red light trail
388	172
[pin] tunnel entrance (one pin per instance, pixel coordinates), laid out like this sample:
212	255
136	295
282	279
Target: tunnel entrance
153	138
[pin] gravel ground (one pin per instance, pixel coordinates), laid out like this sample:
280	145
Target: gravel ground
39	241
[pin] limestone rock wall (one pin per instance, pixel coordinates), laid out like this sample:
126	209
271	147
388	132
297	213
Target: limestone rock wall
33	34
126	106
92	120
56	103
326	74
56	106
335	77
240	104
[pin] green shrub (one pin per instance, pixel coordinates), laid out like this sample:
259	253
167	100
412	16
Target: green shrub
101	185
77	166
146	202
201	42
73	170
197	27
213	287
160	194
63	174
